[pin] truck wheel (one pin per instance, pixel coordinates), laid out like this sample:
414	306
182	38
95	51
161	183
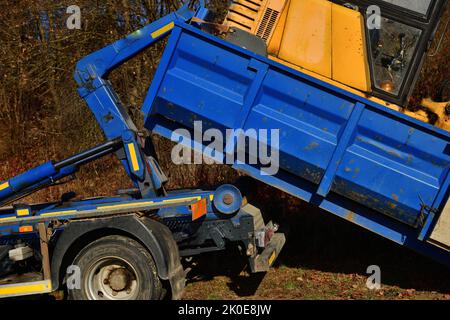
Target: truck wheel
116	268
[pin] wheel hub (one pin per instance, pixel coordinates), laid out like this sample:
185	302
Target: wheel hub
112	278
119	279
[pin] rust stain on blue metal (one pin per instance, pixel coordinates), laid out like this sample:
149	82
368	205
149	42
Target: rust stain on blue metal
410	159
393	153
311	146
383	148
356	173
388	207
392	205
350	216
314	176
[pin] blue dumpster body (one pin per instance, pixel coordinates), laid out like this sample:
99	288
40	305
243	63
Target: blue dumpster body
361	161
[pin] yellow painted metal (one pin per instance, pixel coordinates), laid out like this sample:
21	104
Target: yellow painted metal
233	24
4	185
268	19
318	36
257	17
307	36
133	155
240	20
251	4
182	199
272	258
323	40
23	212
273	47
8	218
132	205
125	205
163	30
58	213
349	55
437	108
244	11
28	288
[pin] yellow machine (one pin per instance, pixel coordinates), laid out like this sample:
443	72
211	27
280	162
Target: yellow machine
371	48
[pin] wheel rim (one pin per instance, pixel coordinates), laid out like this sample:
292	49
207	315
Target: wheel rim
112	278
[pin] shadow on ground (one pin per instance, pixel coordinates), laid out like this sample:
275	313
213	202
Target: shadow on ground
320	241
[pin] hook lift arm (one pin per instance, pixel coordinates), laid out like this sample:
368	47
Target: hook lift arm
121	133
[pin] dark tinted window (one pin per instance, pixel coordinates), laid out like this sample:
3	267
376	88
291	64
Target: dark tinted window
392	48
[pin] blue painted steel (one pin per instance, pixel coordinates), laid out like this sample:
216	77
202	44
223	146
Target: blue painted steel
50	172
27	179
220	202
330	173
359	160
91	75
368	164
129	139
72	209
96	90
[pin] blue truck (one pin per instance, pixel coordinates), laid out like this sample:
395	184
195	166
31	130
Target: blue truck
372	166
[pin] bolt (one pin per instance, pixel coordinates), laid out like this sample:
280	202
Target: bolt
228	199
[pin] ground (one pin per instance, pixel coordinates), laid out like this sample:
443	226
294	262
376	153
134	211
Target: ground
324	258
334	278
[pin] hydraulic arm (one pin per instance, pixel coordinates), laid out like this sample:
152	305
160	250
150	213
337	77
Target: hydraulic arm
91	76
50	172
122	134
165	225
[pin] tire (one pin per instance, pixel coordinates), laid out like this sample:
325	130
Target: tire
116	268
